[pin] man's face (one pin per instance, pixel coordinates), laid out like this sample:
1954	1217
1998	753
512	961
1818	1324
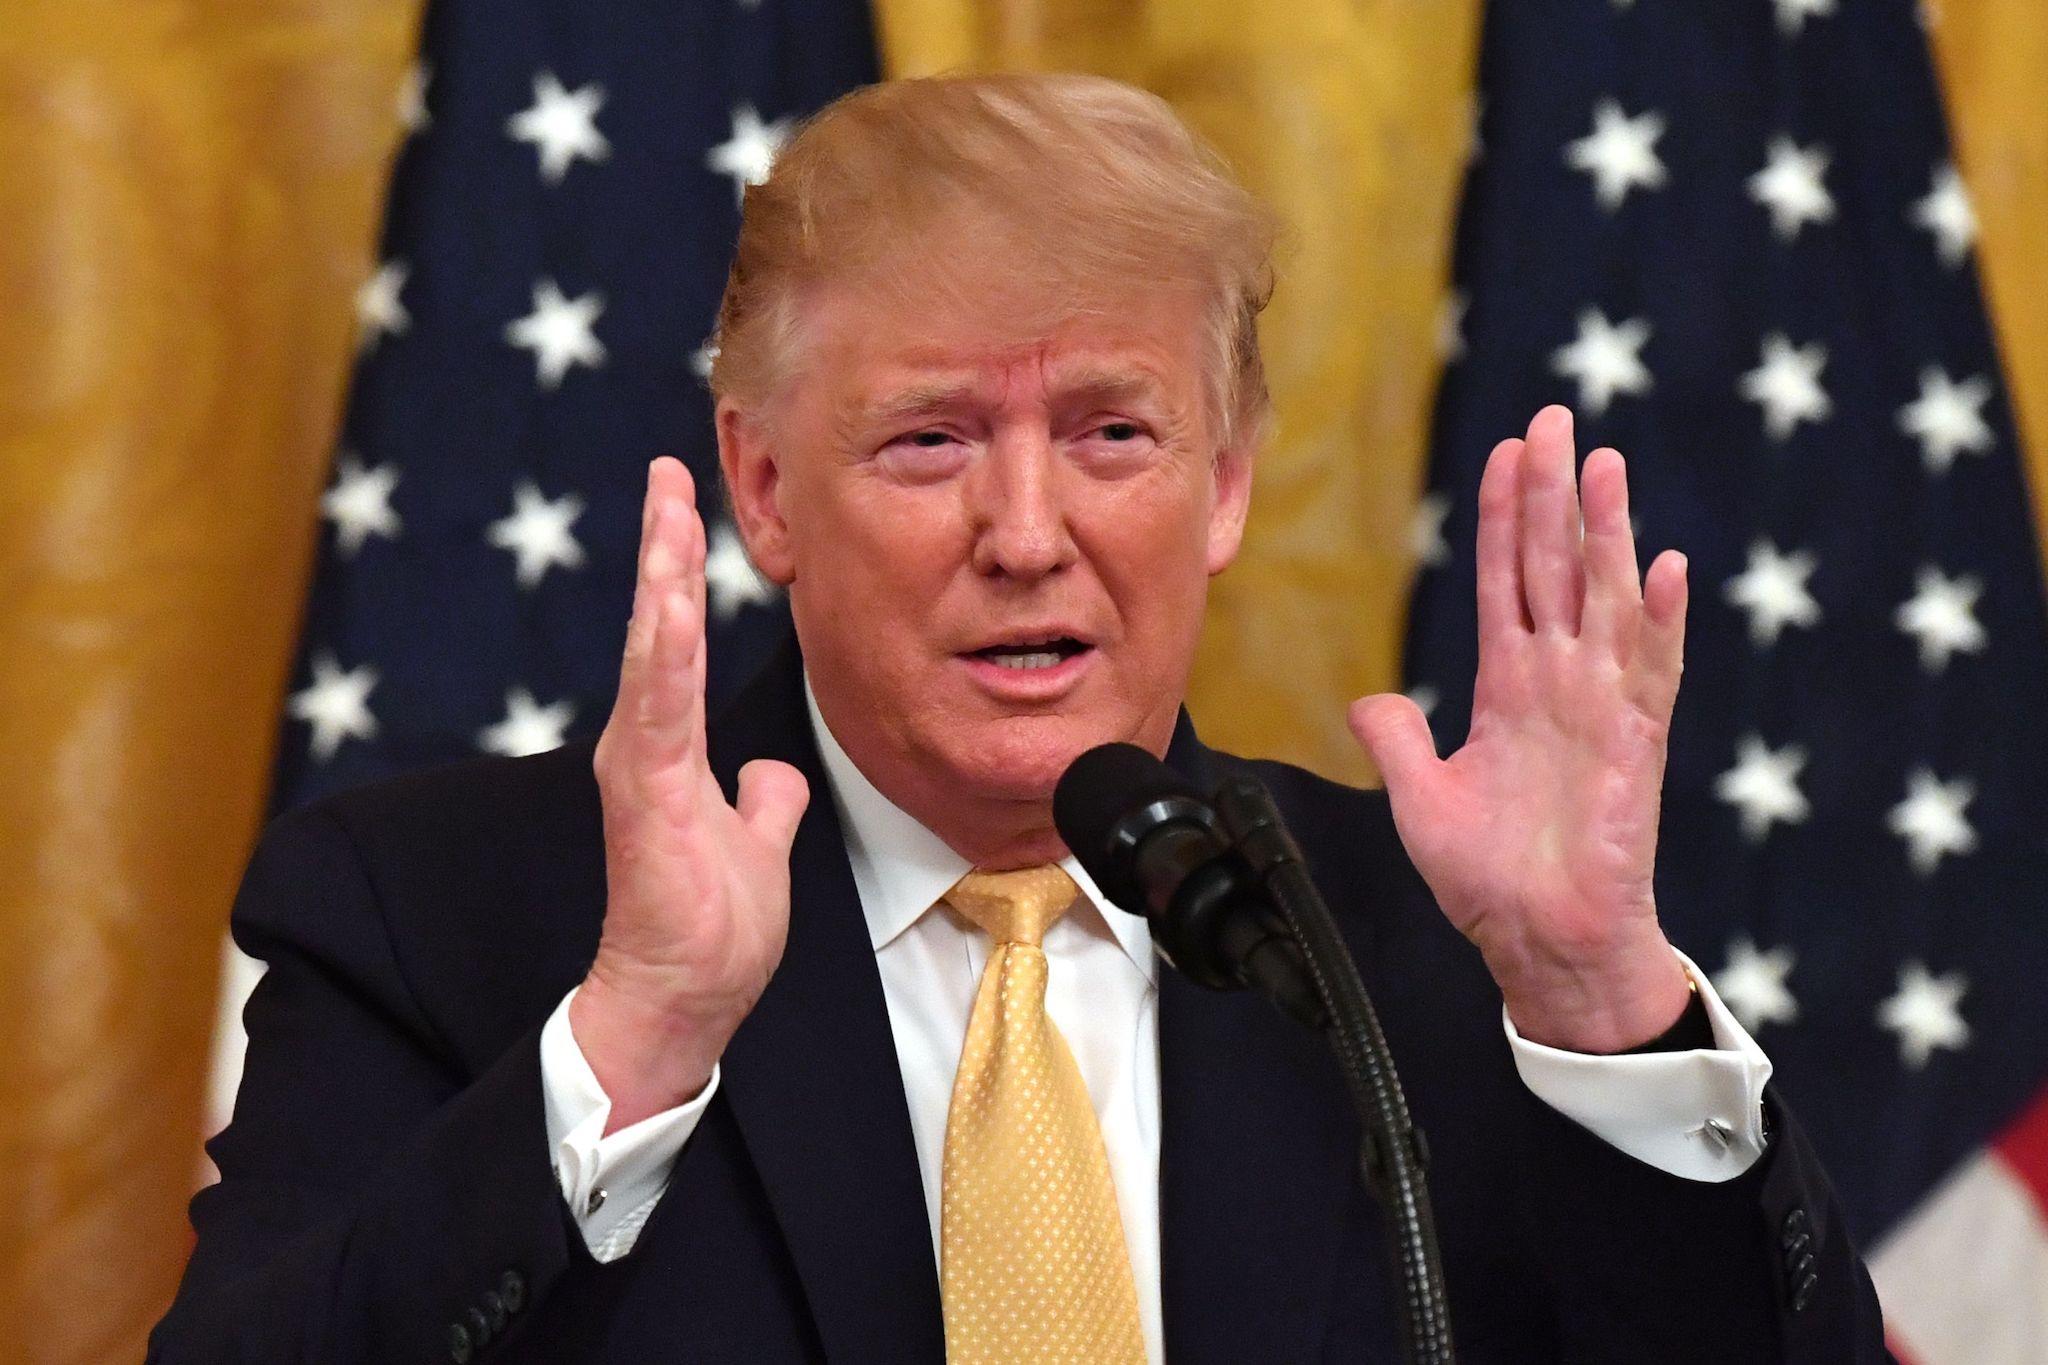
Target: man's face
997	553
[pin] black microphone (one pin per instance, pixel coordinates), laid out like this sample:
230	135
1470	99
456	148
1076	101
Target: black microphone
1156	848
1231	905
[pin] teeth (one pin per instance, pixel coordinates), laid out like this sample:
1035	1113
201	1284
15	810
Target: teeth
1047	659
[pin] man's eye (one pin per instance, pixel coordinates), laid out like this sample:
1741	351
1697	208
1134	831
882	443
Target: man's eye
1121	431
928	440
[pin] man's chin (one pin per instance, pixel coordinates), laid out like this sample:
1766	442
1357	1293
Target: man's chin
1021	758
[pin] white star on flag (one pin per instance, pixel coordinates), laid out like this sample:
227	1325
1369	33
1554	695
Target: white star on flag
1947	418
1947	213
559	332
1931	819
336	704
1793	14
1772	589
359	503
1450	326
749	154
1764	786
1605	359
1786	385
537	532
1753	985
1923	1013
1790	186
1941	615
380	307
412	98
528	727
1620	153
731	577
561	124
1426	530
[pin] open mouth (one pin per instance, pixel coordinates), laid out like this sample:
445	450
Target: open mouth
1032	654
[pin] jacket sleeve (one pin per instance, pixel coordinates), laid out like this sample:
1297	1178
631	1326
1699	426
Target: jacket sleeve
378	1198
1644	1265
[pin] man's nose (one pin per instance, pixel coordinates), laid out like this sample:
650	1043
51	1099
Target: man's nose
1020	528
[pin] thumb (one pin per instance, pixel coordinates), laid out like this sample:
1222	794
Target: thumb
772	800
1392	729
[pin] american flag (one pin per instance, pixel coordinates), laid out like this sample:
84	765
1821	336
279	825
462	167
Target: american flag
1732	237
534	332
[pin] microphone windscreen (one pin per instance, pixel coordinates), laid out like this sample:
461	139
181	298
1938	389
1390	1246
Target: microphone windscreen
1097	790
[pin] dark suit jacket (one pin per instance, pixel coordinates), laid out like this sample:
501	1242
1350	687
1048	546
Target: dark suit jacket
387	1174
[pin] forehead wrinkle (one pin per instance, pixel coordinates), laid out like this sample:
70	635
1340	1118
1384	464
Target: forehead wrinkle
918	399
1107	385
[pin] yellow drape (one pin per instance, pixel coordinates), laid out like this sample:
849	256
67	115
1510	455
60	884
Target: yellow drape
189	197
1991	54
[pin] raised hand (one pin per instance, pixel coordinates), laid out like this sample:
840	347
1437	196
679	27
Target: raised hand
1539	836
696	889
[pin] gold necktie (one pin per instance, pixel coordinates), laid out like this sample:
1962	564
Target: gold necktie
1033	1267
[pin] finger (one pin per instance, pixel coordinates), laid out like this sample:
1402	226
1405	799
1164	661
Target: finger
662	475
692	554
1503	617
640	627
1614	595
668	721
1660	653
1551	574
772	798
682	487
1394	732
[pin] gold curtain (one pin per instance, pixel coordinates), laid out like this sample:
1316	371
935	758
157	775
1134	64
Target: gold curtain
1991	54
1311	615
189	199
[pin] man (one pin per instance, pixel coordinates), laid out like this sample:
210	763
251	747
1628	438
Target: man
795	1034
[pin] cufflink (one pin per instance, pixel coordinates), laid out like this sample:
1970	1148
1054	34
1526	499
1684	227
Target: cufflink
1717	1132
595	1203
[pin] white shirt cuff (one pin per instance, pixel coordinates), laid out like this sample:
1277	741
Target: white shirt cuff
611	1183
1696	1114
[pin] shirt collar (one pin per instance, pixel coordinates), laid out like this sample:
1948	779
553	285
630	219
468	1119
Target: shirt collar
902	869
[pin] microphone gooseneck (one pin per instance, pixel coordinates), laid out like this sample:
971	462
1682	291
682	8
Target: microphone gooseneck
1232	905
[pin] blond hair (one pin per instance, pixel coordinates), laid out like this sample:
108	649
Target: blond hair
1068	185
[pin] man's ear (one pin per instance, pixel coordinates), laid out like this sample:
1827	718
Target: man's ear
1231	473
751	462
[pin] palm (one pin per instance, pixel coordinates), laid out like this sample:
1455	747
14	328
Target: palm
721	887
1545	821
1539	835
697	888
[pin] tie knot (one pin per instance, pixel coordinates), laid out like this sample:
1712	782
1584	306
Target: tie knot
1015	907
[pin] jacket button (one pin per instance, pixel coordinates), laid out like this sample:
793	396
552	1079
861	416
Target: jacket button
1799	1268
1793	1227
1803	1294
460	1348
494	1310
1797	1247
512	1289
479	1326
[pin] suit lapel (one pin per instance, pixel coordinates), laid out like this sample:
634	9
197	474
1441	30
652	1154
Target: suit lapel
812	1079
1255	1166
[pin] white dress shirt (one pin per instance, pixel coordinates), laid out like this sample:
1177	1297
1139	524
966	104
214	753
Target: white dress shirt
1693	1114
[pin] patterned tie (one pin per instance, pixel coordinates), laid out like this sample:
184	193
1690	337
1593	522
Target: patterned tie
1033	1267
